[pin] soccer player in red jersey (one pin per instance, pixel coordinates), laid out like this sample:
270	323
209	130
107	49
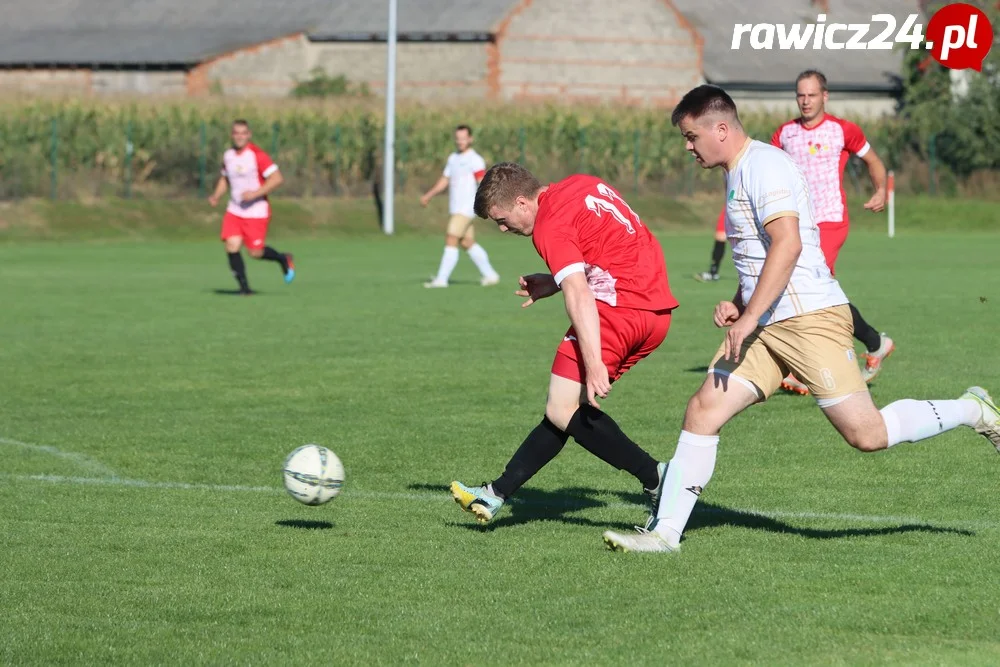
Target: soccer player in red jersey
251	176
611	271
820	144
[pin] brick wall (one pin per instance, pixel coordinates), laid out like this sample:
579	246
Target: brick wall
268	69
424	71
636	52
81	81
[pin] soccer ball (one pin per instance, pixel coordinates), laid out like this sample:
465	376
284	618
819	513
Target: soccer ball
313	475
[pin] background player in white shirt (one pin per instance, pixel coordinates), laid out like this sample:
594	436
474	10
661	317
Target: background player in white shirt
820	143
788	314
462	174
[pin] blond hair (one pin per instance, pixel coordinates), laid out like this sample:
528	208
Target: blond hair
502	185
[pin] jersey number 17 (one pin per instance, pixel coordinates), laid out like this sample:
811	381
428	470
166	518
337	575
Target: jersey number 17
610	205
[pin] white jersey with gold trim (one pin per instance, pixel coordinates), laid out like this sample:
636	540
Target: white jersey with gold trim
765	184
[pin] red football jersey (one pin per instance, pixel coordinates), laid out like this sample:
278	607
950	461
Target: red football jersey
821	153
584	225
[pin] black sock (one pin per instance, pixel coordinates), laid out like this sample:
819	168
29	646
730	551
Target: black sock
239	270
275	256
598	433
865	332
540	447
718	250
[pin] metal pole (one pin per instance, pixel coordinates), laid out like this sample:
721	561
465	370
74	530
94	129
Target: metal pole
389	157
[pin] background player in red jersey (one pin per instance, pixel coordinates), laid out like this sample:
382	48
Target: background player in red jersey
718	250
251	176
611	271
820	144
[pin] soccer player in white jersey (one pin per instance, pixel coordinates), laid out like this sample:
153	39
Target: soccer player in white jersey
820	143
462	174
789	314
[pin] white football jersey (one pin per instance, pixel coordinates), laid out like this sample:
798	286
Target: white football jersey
763	185
463	172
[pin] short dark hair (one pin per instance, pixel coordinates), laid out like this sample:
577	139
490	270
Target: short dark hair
703	100
502	184
811	73
241	121
464	127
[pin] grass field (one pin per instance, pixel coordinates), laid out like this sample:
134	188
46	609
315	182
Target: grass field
144	418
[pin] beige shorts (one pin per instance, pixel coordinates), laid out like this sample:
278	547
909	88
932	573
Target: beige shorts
461	226
817	347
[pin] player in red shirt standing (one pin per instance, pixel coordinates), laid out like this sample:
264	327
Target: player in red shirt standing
611	271
251	176
820	144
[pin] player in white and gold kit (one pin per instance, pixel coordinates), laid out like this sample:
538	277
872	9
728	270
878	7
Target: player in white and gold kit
789	315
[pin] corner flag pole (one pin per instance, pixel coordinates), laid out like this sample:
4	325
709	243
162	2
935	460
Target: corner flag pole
892	205
389	157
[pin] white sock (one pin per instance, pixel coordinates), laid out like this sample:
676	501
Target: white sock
687	476
478	255
449	260
909	420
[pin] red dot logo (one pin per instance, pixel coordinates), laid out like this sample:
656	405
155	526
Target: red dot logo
960	36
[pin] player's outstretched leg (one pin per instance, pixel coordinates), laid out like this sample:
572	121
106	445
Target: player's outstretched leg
282	258
598	433
719	399
878	346
541	446
870	430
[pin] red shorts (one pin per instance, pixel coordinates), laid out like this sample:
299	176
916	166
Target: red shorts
253	230
627	335
832	236
720	226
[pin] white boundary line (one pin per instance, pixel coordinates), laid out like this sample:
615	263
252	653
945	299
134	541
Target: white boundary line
442	497
79	459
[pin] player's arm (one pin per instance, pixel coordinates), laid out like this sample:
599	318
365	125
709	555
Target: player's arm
582	310
270	184
782	255
438	188
220	189
877	172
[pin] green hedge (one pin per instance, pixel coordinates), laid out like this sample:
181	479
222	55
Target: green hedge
76	149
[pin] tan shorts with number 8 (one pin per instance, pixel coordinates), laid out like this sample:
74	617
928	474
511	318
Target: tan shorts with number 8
818	347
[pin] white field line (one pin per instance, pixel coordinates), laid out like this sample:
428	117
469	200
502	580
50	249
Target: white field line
80	460
442	497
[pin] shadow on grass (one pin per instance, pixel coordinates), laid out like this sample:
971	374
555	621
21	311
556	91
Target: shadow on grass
533	505
233	292
304	524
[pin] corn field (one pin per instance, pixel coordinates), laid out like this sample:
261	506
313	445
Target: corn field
70	149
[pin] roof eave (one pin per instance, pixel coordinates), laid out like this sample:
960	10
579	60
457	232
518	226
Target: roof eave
360	36
785	86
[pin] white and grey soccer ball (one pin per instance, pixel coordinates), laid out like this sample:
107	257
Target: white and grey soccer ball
313	475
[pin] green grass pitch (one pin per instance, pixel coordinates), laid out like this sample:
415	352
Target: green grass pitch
145	417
